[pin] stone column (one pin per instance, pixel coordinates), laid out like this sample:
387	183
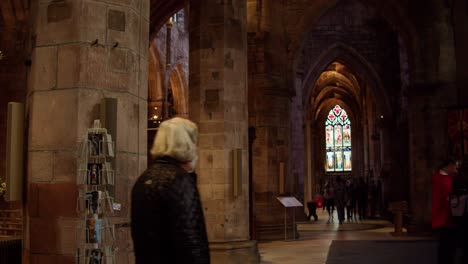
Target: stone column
309	187
218	104
84	50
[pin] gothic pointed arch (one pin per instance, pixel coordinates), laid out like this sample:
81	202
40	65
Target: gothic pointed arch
179	90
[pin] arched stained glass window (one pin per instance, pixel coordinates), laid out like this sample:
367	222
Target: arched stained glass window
337	141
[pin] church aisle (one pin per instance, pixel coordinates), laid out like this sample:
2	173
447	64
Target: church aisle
316	238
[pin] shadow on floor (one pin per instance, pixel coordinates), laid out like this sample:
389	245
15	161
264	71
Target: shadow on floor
382	252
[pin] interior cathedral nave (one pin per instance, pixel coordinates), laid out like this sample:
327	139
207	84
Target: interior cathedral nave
287	96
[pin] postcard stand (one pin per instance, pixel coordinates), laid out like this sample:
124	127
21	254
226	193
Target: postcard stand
95	235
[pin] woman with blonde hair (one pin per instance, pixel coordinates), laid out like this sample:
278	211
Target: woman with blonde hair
168	224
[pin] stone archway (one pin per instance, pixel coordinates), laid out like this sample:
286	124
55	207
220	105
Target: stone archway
180	92
391	11
340	75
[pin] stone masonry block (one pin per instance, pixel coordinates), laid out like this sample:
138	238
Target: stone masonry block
57	199
118	60
44	68
57	109
116	20
122	166
89	109
145	9
219	141
205	159
64	167
217	232
43	237
142	123
69	72
95	70
95	22
212	206
205	141
58	22
129	37
206	191
144	37
66	235
40	164
41	258
218	191
221	159
132	170
211	127
133	5
143	77
221	176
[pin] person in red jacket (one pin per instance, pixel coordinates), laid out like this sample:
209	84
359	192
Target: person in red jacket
442	220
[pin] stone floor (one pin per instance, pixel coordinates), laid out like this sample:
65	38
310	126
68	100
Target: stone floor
315	238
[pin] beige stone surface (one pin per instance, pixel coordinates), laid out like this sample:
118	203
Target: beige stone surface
64	166
41	164
66	235
97	29
43	74
58	22
130	37
69	72
53	115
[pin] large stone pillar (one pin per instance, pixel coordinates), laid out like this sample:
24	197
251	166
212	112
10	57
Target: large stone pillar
84	50
433	93
218	104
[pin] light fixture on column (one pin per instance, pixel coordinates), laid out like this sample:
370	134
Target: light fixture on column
1	55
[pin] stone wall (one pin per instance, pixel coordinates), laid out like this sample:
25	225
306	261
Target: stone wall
84	50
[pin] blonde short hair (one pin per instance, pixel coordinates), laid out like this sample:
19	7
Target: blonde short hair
177	138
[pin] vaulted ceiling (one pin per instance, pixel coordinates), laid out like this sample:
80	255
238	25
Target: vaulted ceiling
339	83
162	10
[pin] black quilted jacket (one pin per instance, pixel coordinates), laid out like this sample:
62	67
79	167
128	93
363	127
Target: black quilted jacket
168	225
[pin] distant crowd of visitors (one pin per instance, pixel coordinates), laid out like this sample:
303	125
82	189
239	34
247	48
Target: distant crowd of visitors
351	199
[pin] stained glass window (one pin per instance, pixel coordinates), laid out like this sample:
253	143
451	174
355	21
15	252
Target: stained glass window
338	141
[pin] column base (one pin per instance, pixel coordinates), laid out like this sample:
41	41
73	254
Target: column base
233	252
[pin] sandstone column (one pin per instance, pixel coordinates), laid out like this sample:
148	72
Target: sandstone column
433	93
218	104
84	50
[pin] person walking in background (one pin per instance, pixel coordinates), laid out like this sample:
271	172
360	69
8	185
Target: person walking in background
442	220
324	195
312	208
167	221
350	200
340	198
329	195
362	190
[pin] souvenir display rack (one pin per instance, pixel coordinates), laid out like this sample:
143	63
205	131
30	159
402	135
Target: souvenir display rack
95	236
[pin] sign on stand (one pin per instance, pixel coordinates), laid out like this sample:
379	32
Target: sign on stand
289	202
